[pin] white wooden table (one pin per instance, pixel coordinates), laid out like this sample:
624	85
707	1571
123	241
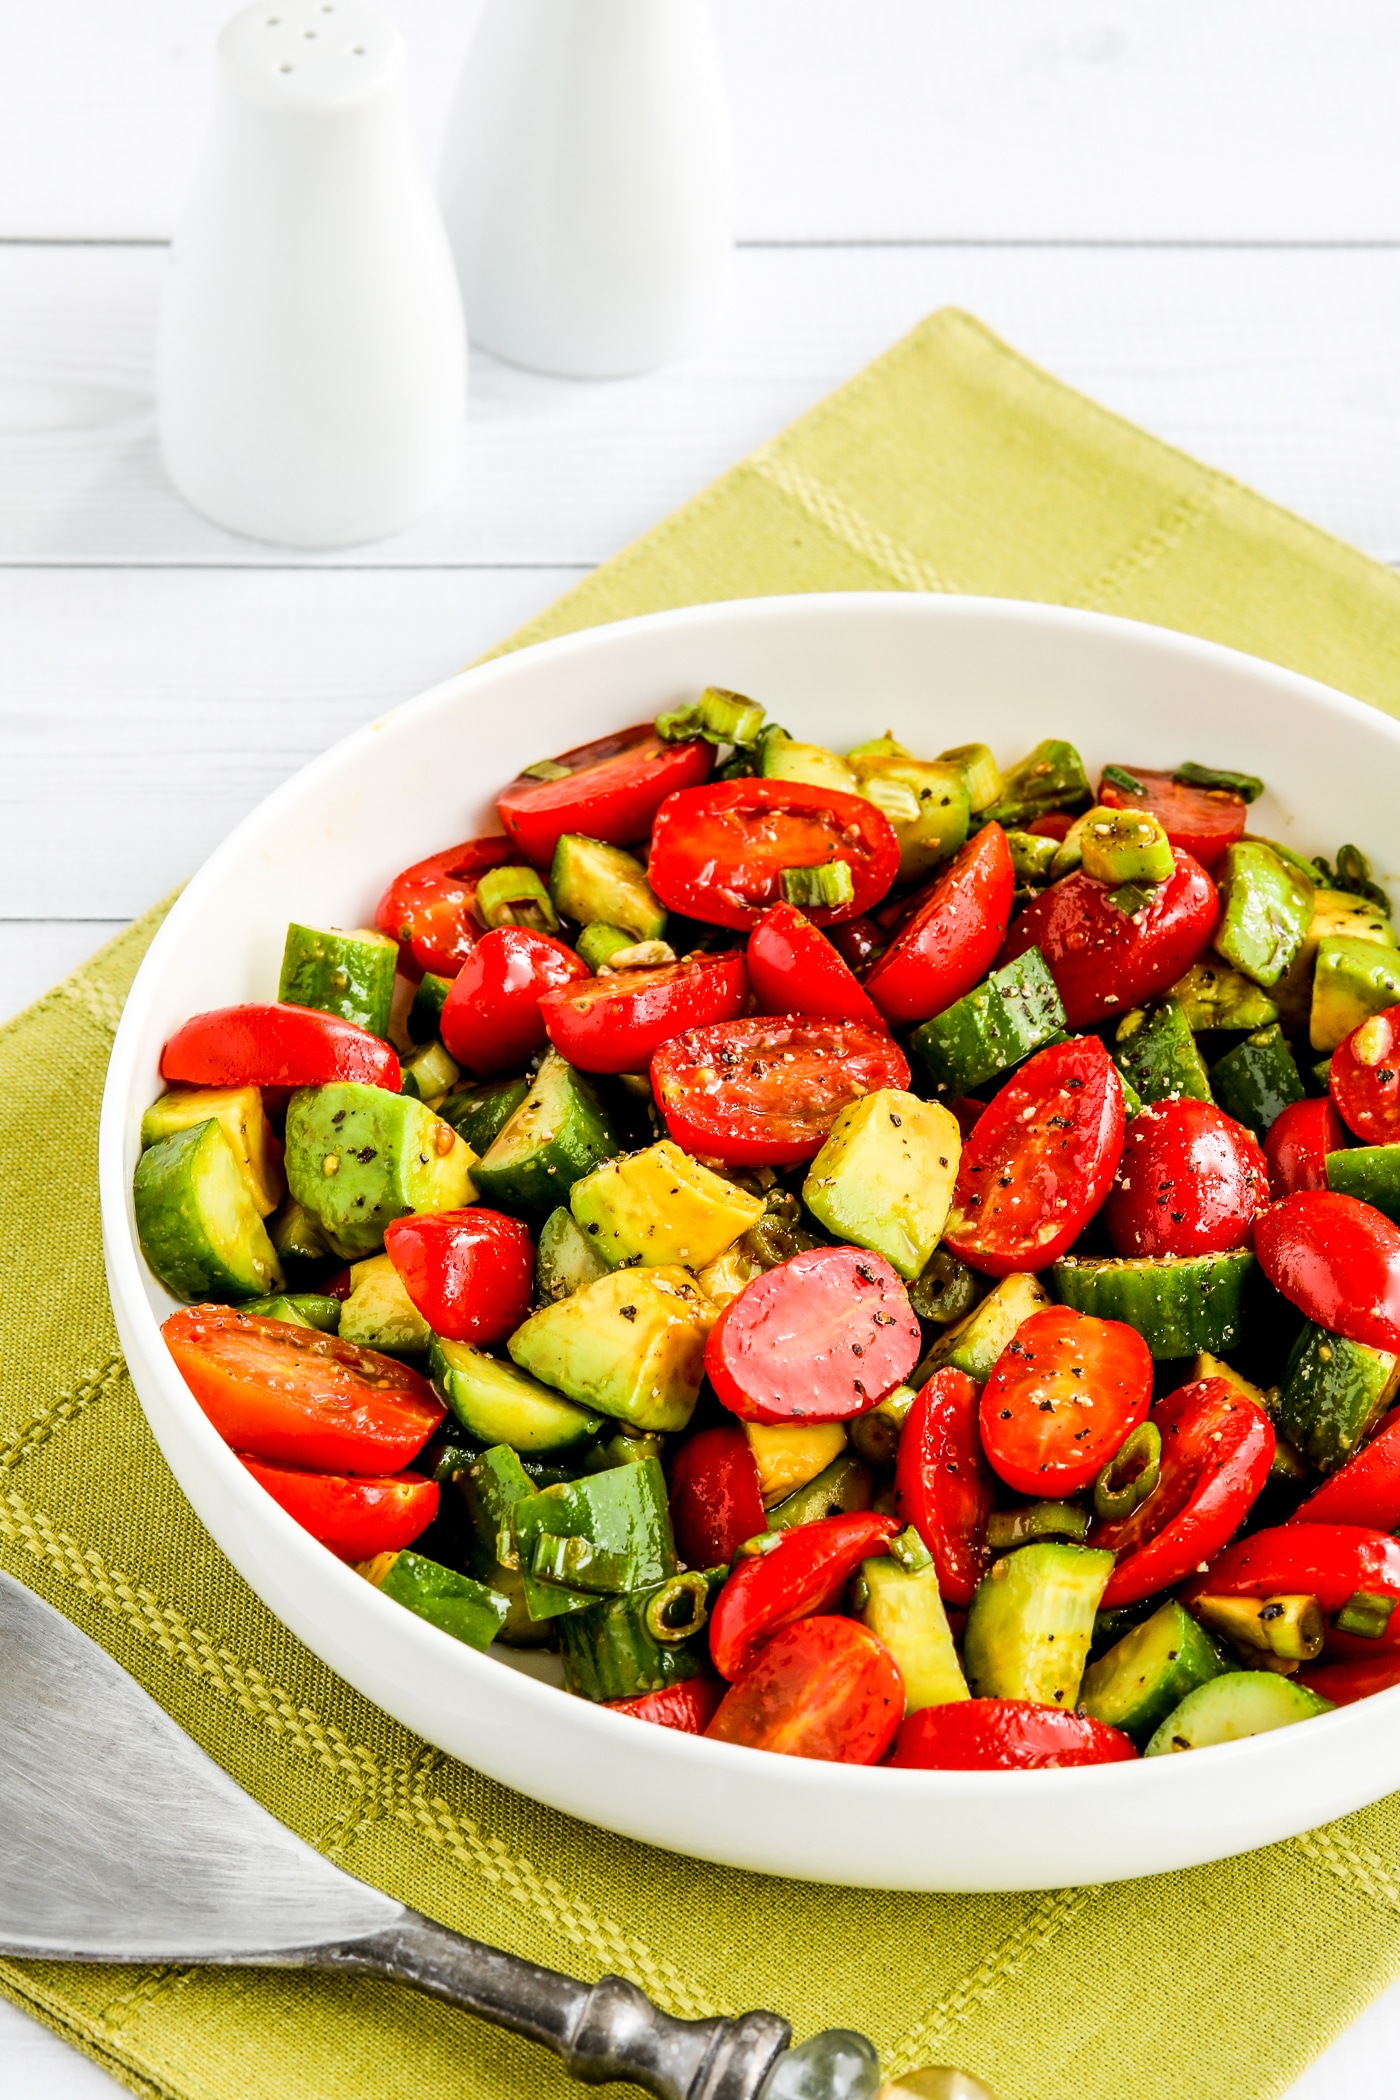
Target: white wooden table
1191	211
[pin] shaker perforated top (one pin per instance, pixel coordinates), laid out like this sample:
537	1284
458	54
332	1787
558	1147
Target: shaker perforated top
310	54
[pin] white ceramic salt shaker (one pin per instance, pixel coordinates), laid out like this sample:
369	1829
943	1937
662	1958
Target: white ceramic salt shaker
589	182
312	359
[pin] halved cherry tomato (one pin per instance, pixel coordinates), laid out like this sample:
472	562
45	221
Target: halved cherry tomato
1328	1561
719	852
856	940
942	1483
470	1273
802	1572
1365	1489
1297	1144
824	1688
1338	1261
611	791
1055	824
950	938
688	1707
794	969
1364	1079
1039	1162
355	1517
1064	1393
766	1091
1217	1447
491	1020
282	1046
299	1397
1346	1682
1204	822
820	1338
1004	1735
1104	960
1191	1181
716	1500
430	908
613	1024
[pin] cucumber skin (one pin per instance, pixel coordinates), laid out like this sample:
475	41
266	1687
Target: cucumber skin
170	1224
539	1179
1179	1307
1031	1621
456	1604
1370	1172
622	1511
1327	1403
1270	1701
539	1422
299	1309
1257	1080
609	1652
480	1113
1015	1012
425	1014
339	973
1107	1693
1159	1058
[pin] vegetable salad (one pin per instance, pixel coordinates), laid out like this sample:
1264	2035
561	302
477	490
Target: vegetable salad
871	1257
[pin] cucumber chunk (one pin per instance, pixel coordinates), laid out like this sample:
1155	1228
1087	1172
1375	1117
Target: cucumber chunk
293	1232
884	1178
1332	1393
590	881
558	1134
1146	1675
899	1601
379	1314
478	1114
490	1485
198	1226
349	974
1257	1080
424	1022
1180	1305
1048	778
845	1485
1232	1706
1267	908
1370	1172
455	1604
500	1405
1031	1621
661	1206
994	1027
640	1642
429	1073
239	1112
974	1345
1155	1051
1213	995
358	1157
298	1309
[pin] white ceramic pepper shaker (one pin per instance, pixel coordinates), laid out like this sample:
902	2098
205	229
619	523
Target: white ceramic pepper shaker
589	182
312	358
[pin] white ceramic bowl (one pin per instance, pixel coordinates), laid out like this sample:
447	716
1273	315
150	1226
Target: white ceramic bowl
937	671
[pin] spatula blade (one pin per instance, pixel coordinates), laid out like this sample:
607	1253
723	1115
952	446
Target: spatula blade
120	1840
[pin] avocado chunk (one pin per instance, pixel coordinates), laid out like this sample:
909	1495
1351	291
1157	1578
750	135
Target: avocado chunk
1031	1621
498	1404
1050	777
480	1113
1213	994
1266	910
197	1223
785	758
1333	1391
455	1604
723	1279
975	1343
1016	1011
884	1178
1146	1675
1124	845
790	1454
589	881
845	1485
1155	1051
1370	1172
558	1134
981	772
1353	980
1179	1304
661	1206
239	1112
349	974
1229	1707
639	1642
564	1257
631	1345
379	1314
357	1158
898	1599
1257	1080
1336	914
926	802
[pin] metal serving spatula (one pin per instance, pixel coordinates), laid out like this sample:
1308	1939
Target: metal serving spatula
122	1842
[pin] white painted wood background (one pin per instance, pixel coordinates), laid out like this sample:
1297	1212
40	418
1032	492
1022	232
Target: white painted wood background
1190	208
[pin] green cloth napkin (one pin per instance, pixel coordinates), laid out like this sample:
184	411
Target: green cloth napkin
949	465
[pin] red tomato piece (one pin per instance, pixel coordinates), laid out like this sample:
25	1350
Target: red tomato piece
719	852
613	789
1346	1682
491	1019
766	1091
1004	1735
355	1518
1297	1144
822	1337
689	1708
1328	1561
951	936
1364	1079
1063	1395
1039	1161
1192	1181
614	1023
1055	824
282	1046
802	1572
298	1397
1217	1448
1204	822
824	1688
430	909
968	1112
794	969
856	940
716	1501
1103	961
1338	1261
942	1483
470	1273
1365	1489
